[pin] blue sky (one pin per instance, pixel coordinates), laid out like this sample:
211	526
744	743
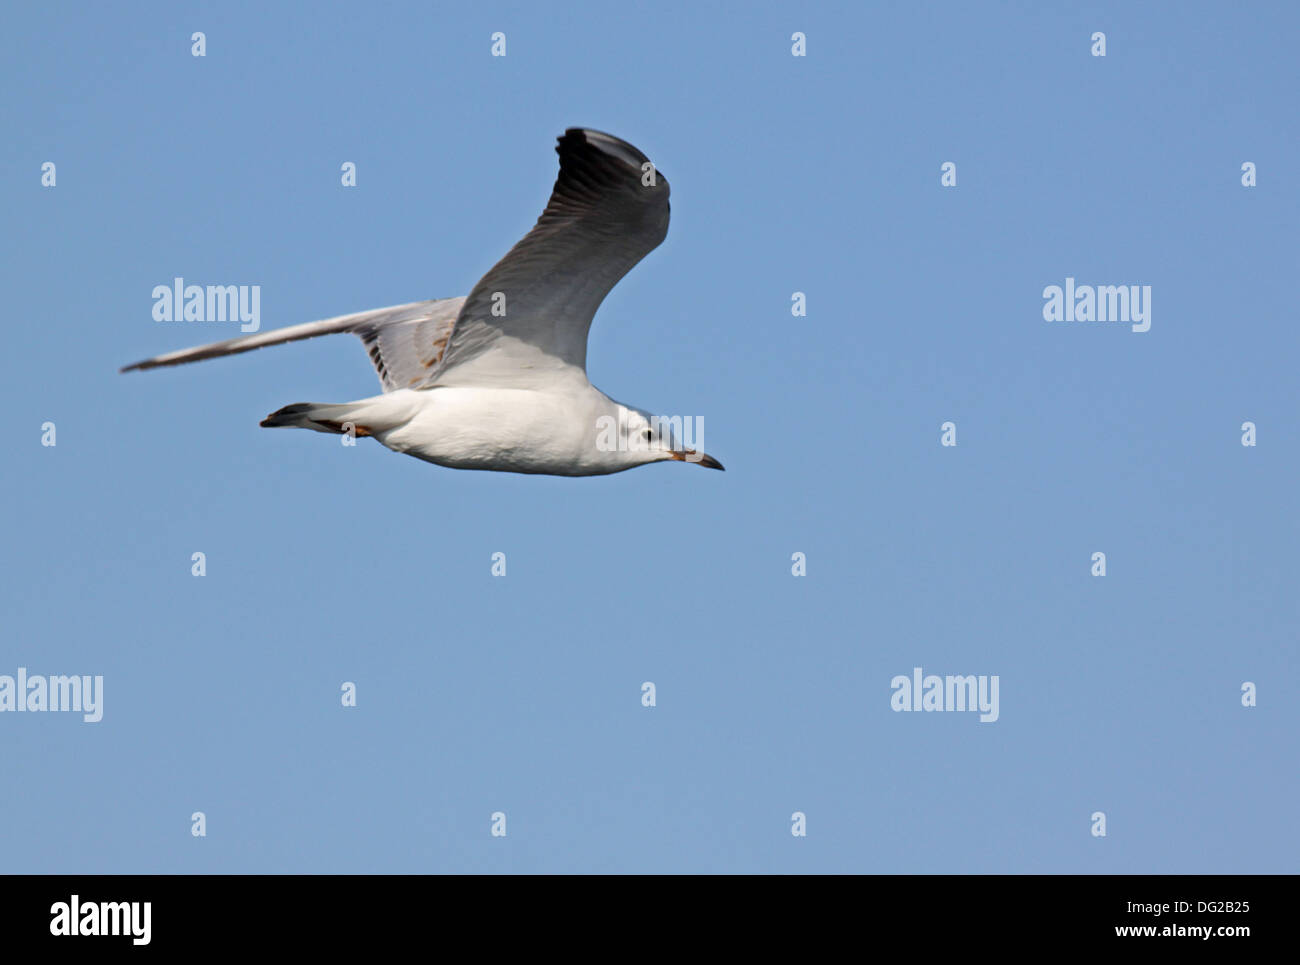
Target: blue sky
521	693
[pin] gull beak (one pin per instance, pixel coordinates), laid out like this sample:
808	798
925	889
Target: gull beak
699	458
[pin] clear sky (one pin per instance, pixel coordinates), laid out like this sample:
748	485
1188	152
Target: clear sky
522	693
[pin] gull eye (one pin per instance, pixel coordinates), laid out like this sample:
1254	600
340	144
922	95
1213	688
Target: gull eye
647	435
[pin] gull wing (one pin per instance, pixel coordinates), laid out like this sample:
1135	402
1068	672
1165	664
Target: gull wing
528	318
405	342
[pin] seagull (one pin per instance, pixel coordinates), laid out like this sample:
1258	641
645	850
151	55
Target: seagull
497	379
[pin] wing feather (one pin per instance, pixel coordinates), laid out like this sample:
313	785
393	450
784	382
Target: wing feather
405	342
530	314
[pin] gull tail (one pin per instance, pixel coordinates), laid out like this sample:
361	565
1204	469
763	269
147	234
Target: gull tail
362	418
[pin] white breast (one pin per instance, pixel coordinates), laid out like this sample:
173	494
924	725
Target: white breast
515	430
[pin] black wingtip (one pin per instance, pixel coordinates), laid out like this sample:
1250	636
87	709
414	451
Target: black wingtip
578	138
592	161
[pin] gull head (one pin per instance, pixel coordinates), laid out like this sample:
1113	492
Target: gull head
634	437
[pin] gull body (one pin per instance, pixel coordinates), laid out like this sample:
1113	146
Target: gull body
510	430
497	379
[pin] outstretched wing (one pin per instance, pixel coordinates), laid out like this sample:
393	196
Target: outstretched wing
405	342
530	314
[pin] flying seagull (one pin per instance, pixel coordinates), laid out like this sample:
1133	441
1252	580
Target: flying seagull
497	379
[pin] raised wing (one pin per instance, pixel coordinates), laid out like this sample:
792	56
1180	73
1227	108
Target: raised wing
405	342
530	314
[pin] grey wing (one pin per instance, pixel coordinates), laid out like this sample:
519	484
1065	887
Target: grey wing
404	342
530	314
